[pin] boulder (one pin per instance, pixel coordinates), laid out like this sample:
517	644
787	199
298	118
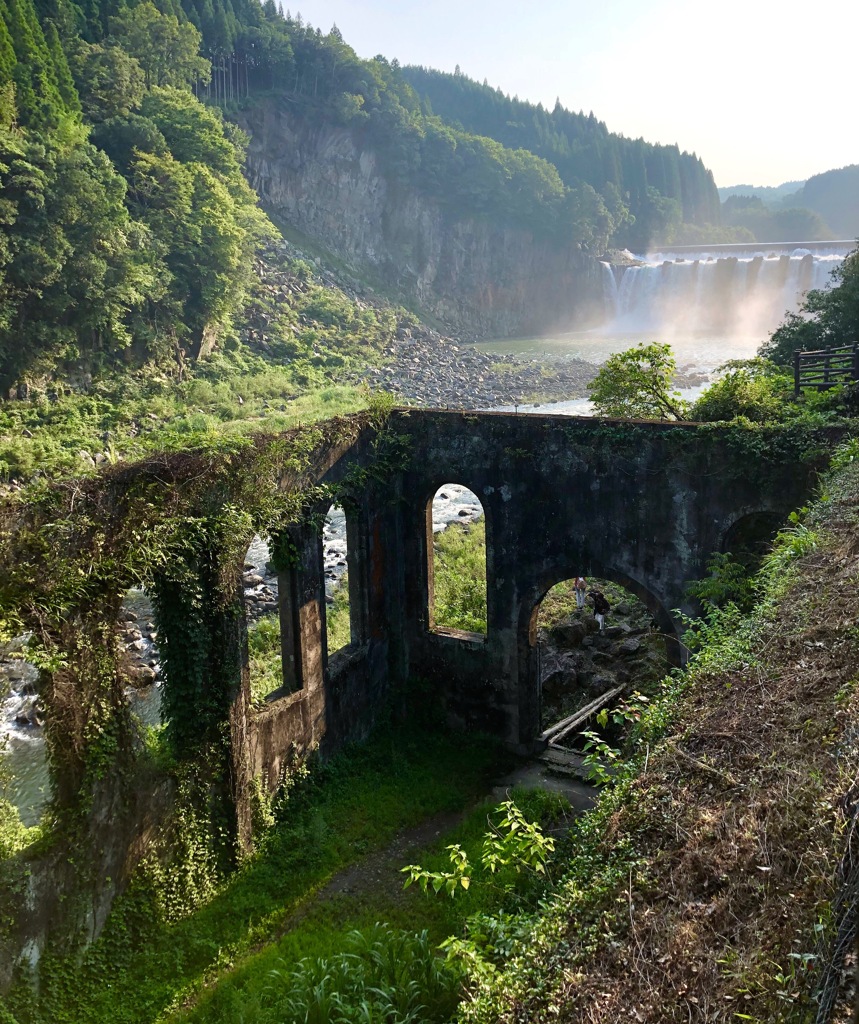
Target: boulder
599	683
143	675
559	682
629	646
569	634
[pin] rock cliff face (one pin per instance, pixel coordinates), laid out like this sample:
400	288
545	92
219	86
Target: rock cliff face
476	277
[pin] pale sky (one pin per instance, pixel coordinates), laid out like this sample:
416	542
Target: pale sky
762	90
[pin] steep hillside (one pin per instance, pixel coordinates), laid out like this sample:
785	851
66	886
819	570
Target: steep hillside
649	189
477	275
835	196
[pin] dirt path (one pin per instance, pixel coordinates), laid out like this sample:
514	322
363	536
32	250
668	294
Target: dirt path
381	871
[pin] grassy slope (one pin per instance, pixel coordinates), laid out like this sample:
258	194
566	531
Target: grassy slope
704	884
143	965
281	366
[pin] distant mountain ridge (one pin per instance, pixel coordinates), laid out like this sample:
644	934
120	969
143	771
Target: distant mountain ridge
661	186
769	194
832	195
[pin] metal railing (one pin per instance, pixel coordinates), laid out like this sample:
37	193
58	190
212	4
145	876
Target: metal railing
825	368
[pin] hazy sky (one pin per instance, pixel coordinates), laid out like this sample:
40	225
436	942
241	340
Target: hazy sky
761	90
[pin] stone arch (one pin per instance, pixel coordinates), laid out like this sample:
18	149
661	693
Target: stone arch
656	608
459	496
752	530
533	595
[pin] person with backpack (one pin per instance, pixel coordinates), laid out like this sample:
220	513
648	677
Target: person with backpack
581	587
601	606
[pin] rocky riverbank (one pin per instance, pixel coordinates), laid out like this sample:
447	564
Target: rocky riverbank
420	366
427	369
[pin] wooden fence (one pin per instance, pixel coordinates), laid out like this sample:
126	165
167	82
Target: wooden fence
825	368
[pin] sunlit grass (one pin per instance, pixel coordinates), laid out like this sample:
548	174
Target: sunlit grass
142	966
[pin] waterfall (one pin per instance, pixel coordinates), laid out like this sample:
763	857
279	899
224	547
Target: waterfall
726	290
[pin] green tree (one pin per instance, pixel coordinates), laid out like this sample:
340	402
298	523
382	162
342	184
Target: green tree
110	81
76	263
828	317
65	82
637	384
755	389
166	49
38	96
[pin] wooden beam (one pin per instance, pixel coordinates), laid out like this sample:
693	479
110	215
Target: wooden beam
566	725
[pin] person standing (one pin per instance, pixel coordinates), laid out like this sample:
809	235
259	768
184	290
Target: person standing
601	606
581	587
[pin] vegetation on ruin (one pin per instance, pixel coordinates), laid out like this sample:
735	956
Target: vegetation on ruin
699	824
162	956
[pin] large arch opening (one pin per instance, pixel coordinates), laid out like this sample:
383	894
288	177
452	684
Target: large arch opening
594	637
749	538
456	562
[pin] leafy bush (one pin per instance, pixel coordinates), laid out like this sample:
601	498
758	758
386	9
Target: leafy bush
385	975
637	384
728	582
753	388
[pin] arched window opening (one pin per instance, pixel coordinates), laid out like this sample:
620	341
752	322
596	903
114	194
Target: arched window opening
335	556
138	638
730	572
457	564
261	596
24	772
583	663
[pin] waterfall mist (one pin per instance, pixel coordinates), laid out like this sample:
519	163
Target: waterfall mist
741	294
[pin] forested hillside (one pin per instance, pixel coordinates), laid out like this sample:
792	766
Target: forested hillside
648	190
129	228
834	195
